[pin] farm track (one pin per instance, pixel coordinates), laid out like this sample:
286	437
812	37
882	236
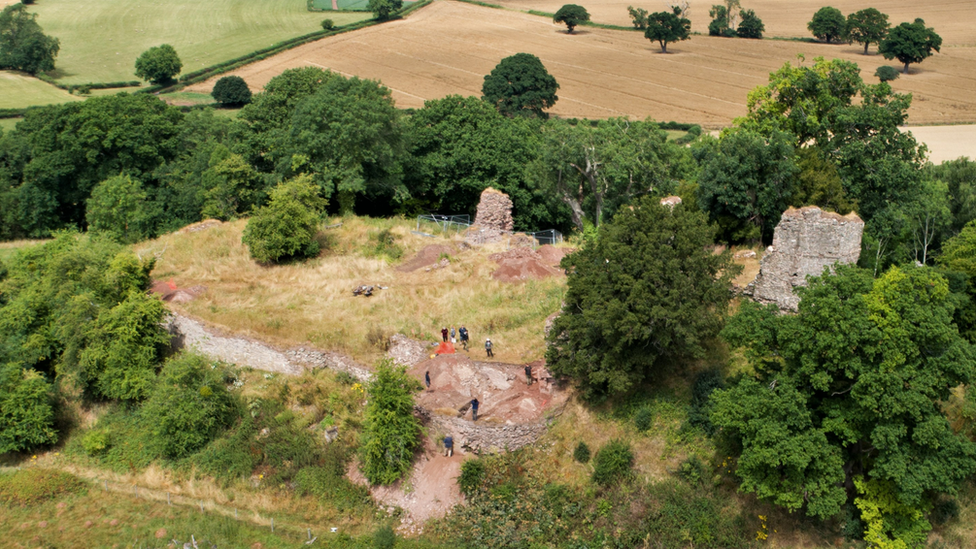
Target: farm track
448	47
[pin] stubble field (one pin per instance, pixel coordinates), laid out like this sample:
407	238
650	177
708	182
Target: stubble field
448	47
952	19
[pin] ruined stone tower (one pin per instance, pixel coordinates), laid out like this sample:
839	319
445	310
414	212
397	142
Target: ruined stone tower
804	242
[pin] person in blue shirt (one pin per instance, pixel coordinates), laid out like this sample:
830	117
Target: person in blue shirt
474	409
448	446
427	379
488	349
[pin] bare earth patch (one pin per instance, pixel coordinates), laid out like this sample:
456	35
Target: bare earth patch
429	492
448	47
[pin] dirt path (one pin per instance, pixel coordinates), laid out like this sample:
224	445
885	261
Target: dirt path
430	491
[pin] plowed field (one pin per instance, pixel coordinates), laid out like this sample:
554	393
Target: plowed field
952	19
448	47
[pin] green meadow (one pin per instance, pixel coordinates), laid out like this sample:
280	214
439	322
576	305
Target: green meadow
18	90
101	39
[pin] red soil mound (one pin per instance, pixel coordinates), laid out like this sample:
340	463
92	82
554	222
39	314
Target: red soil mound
445	348
168	291
552	255
520	264
427	256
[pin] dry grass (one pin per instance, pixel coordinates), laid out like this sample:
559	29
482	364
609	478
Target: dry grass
312	303
10	247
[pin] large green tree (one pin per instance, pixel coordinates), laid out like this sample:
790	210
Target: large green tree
746	182
867	26
571	15
60	153
665	27
23	46
751	26
27	417
285	229
520	85
828	24
350	132
910	43
384	9
159	64
461	145
851	386
390	432
117	207
646	292
593	168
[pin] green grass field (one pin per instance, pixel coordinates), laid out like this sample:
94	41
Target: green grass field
19	90
7	125
101	40
355	5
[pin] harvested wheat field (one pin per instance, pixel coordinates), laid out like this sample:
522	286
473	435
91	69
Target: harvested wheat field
448	47
952	19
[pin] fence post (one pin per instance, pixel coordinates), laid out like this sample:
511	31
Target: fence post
309	530
106	486
167	499
135	490
201	506
272	524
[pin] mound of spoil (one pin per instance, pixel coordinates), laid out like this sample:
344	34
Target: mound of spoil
168	291
429	255
501	389
519	264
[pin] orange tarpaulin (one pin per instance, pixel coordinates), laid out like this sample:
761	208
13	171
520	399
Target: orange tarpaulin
446	348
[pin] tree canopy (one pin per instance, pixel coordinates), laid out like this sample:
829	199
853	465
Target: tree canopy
384	9
647	291
851	386
867	26
665	27
593	168
23	45
572	15
750	26
520	85
158	65
828	24
910	43
746	182
285	229
390	430
231	91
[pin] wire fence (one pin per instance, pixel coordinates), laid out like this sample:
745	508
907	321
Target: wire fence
448	226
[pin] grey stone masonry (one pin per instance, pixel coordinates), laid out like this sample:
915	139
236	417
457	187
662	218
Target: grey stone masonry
805	241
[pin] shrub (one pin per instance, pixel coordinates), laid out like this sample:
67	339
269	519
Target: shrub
285	228
582	453
386	244
701	392
384	538
944	511
693	470
329	483
26	409
97	441
472	476
887	73
158	65
328	24
751	26
643	418
376	337
31	486
613	463
384	9
390	430
189	406
231	91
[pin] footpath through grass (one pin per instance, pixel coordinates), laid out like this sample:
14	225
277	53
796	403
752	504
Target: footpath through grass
101	42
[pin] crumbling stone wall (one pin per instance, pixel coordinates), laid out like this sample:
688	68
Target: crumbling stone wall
805	241
493	218
482	437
